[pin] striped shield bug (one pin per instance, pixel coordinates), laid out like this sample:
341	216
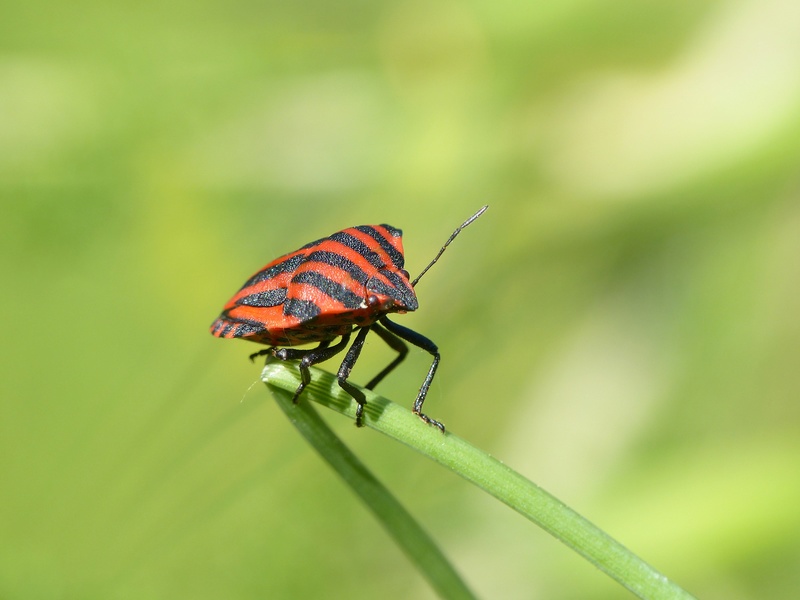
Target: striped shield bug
350	280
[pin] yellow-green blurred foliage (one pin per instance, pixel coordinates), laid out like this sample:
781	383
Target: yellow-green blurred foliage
622	326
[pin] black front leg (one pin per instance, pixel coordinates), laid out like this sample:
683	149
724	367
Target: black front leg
412	337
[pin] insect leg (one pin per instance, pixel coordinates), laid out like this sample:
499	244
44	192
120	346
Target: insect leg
344	372
397	345
263	352
309	358
412	337
292	354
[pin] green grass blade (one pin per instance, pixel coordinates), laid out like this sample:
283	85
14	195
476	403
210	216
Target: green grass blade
491	475
408	534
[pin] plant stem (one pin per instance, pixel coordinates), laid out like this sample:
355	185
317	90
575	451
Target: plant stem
497	479
408	534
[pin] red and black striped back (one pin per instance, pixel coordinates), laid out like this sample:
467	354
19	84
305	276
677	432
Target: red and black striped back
319	292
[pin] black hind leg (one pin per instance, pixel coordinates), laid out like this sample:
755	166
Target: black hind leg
307	359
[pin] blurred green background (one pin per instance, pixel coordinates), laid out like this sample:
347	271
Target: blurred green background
622	326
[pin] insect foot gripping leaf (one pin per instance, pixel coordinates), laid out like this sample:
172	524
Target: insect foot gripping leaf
349	281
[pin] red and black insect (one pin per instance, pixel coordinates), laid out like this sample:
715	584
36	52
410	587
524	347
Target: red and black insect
326	289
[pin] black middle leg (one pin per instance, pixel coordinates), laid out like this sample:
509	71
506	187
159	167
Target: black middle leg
344	372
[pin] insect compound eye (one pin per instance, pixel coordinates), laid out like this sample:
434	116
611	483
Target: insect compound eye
405	273
373	301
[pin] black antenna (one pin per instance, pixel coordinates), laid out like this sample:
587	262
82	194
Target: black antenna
447	243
